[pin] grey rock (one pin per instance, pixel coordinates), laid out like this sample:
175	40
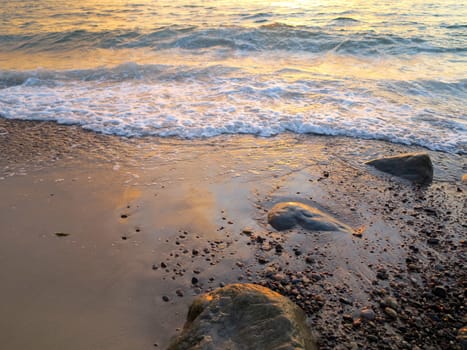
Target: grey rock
416	167
367	314
244	316
286	215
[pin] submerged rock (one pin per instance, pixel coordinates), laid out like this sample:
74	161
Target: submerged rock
244	316
284	216
416	167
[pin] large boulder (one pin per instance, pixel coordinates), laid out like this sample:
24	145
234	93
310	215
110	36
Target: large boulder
416	167
244	317
286	215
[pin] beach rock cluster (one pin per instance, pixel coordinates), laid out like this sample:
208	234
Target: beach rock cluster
244	316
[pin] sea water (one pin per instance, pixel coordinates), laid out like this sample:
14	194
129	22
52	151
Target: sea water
390	70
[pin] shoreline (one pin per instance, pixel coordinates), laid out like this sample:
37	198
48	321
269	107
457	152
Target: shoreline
137	210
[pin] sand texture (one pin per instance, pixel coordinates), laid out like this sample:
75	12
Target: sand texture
105	242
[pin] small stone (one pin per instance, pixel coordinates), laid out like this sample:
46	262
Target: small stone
61	234
163	265
247	231
382	275
390	312
309	260
440	291
345	301
165	298
195	252
124	216
462	337
194	280
262	260
179	292
367	314
433	241
391	302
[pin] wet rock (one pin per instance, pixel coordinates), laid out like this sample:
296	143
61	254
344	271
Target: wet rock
433	241
440	291
244	316
416	167
390	312
367	314
462	337
286	215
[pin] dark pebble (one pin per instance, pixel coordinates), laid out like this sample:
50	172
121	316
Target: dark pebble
194	280
165	298
433	241
440	291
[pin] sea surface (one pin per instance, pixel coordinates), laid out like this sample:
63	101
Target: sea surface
390	70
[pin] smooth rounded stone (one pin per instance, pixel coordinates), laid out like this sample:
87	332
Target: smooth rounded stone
286	215
244	316
367	314
416	167
391	302
390	312
462	337
440	291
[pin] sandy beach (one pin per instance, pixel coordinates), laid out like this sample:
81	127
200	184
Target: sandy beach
106	240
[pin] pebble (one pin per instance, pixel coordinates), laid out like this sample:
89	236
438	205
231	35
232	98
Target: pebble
179	292
440	291
247	231
165	298
194	280
367	314
391	302
433	241
390	312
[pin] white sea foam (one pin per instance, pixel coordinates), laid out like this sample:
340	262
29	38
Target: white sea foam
192	108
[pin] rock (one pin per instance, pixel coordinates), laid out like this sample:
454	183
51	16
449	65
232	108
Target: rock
244	316
247	231
433	241
416	167
464	178
390	312
165	298
391	302
367	314
440	291
462	337
286	215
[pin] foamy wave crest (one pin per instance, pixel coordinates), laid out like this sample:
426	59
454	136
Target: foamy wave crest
143	100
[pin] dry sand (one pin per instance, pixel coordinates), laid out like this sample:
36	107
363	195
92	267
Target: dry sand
153	219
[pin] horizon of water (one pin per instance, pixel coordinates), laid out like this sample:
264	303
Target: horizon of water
385	70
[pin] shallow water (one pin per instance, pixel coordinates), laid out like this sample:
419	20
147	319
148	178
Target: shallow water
384	70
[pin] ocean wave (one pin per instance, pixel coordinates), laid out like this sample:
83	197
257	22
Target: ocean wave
163	100
270	37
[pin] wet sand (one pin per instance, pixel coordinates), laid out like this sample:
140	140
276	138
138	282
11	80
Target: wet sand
153	219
